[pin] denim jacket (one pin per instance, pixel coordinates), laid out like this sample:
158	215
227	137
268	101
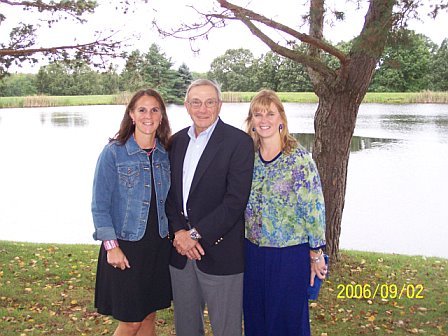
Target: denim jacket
122	191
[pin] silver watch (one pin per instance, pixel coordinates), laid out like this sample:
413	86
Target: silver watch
194	234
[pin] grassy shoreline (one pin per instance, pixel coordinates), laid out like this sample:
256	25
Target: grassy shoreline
47	289
290	97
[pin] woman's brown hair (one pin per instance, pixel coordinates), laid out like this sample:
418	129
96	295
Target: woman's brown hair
127	127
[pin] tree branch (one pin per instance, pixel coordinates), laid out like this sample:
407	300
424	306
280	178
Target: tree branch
240	12
103	43
73	8
208	25
289	53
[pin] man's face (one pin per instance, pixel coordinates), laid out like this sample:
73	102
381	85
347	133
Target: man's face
203	107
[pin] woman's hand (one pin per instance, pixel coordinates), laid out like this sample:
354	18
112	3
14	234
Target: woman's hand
116	258
318	267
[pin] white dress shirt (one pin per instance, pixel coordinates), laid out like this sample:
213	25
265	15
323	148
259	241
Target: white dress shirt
194	152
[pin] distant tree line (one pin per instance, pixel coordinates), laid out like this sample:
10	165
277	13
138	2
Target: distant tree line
70	78
410	63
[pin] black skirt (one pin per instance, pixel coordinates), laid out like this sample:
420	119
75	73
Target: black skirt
132	294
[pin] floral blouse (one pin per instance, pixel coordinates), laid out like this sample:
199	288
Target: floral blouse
286	204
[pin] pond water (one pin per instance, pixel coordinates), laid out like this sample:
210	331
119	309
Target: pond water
396	199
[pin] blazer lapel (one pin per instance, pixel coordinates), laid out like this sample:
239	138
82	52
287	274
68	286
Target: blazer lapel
179	163
212	148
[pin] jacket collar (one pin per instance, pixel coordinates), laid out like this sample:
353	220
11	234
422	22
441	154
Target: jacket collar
133	148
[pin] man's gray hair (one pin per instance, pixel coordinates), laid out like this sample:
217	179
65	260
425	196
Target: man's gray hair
200	82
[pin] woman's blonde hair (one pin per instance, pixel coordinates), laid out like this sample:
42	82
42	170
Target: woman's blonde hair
262	103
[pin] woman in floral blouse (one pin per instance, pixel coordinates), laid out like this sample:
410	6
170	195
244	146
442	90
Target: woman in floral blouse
285	226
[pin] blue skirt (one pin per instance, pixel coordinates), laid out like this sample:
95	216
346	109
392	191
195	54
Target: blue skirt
275	298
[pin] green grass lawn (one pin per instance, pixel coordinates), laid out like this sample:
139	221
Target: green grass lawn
47	289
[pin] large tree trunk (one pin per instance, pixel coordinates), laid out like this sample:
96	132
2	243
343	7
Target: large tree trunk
340	96
334	124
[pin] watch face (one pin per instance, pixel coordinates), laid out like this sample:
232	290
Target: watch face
194	235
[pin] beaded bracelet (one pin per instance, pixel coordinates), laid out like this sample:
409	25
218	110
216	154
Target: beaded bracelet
110	244
316	259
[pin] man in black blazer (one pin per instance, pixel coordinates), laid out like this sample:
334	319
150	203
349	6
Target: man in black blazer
211	174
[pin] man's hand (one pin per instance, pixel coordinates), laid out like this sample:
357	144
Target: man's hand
196	252
186	246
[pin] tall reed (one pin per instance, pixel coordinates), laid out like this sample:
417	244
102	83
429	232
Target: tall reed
38	101
123	98
431	97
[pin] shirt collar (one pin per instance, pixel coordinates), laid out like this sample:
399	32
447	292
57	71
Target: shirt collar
207	133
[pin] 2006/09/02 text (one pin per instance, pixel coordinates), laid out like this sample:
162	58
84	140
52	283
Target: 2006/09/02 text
384	291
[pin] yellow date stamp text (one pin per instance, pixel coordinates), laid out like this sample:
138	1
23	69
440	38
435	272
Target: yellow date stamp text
380	290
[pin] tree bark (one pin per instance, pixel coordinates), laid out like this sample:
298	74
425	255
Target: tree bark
339	101
331	152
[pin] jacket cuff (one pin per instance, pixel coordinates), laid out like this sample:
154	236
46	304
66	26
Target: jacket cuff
104	233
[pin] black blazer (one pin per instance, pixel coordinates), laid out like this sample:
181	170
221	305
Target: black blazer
217	200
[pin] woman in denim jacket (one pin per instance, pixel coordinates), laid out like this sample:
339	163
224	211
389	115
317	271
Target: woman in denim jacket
132	179
285	226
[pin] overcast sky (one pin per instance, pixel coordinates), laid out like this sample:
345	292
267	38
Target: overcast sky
171	13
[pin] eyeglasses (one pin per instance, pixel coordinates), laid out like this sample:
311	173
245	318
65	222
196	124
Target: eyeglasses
209	103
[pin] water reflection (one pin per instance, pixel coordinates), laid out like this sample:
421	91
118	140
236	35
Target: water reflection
64	119
436	123
442	123
358	143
